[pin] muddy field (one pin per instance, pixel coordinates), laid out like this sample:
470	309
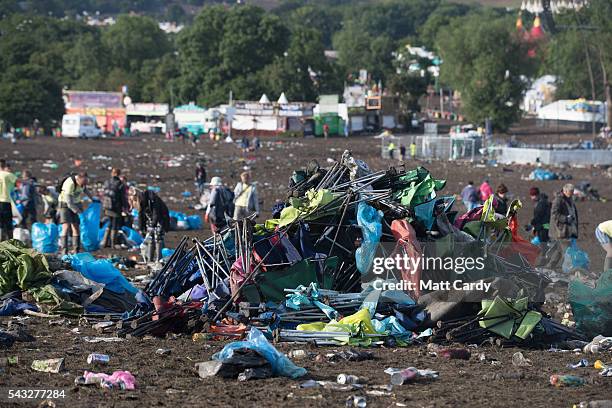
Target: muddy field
172	380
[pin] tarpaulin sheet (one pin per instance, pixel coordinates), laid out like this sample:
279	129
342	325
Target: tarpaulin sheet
21	267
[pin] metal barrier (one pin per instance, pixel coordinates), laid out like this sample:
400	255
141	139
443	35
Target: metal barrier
432	147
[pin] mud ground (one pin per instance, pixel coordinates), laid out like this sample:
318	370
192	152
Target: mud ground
172	380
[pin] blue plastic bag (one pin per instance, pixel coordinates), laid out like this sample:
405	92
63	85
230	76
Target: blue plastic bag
575	258
105	226
132	235
90	227
281	365
167	252
44	238
195	222
369	219
101	271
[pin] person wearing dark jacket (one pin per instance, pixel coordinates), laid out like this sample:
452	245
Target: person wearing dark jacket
501	200
564	215
114	207
153	221
563	225
541	214
200	177
220	206
27	198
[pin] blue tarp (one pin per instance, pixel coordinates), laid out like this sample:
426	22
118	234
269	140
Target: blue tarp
101	271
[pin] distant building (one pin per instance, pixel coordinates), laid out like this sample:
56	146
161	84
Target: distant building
107	107
580	113
265	118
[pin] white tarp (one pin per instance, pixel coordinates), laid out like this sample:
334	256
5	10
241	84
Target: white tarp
573	111
246	122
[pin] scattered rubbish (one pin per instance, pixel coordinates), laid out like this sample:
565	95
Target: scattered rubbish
9	361
594	404
350	355
256	341
582	363
240	360
355	401
566	380
163	351
347	379
454	354
94	358
123	380
102	339
519	360
53	365
598	344
401	376
297	354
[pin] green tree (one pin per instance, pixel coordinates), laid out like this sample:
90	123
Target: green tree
28	92
133	41
439	18
485	63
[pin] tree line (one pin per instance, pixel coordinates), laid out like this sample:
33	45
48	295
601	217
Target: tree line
249	51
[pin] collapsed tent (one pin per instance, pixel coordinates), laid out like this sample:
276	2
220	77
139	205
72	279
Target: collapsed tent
313	271
27	278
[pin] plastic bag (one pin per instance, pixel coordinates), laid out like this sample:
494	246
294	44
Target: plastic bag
90	227
167	252
133	237
281	365
575	258
102	230
369	219
44	238
591	307
195	222
22	235
101	271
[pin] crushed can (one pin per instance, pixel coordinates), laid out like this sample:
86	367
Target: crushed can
347	379
98	359
356	401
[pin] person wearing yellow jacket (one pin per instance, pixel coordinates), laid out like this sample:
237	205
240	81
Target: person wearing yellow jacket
603	232
7	185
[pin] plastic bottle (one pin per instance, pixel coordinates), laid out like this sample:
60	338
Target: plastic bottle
566	380
347	379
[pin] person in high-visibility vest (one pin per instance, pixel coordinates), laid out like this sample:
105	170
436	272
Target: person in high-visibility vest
391	149
413	150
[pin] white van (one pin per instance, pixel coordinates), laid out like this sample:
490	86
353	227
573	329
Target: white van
81	126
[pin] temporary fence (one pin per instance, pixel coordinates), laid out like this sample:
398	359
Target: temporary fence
432	147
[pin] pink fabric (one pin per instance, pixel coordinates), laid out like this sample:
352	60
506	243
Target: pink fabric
485	191
407	240
115	378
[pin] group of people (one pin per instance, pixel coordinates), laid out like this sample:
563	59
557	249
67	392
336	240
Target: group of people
402	150
63	204
557	221
225	204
